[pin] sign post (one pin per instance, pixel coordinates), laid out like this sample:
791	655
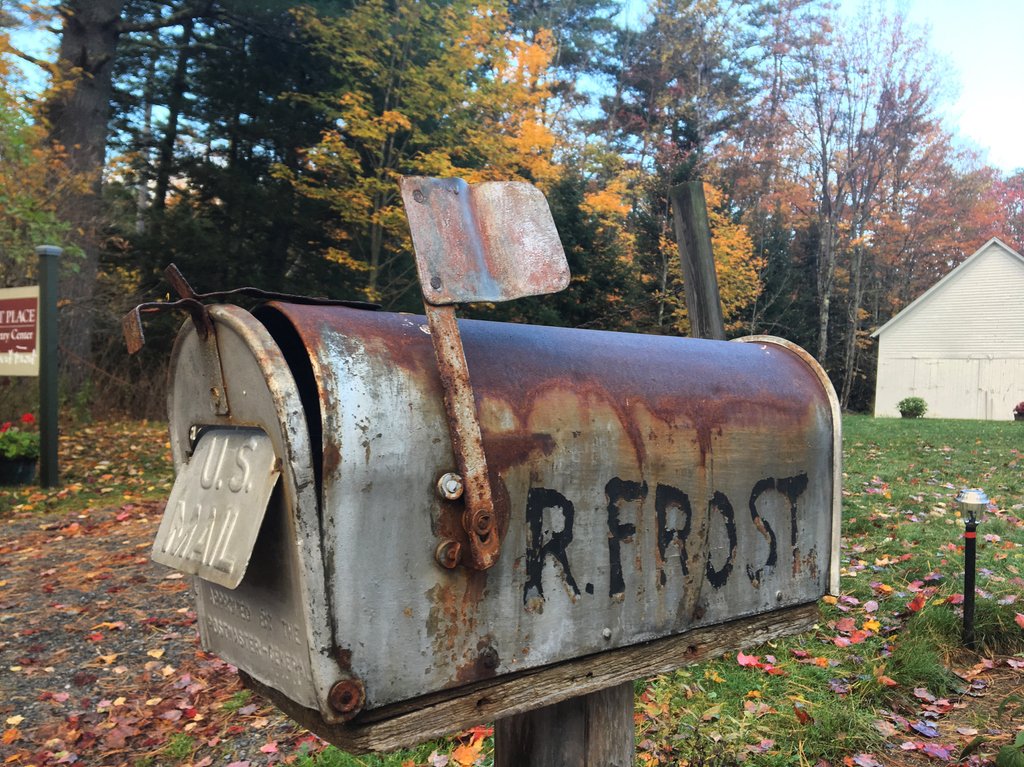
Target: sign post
49	475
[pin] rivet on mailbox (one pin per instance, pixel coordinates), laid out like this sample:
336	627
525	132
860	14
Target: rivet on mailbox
397	533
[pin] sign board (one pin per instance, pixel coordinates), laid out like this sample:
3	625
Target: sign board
19	331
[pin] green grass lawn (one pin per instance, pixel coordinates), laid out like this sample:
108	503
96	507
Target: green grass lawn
891	639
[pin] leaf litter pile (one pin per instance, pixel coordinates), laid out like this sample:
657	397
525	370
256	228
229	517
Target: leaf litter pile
100	662
98	648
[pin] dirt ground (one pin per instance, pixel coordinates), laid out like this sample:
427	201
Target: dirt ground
99	658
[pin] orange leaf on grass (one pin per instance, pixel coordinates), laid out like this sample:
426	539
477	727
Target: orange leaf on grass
467	754
1020	619
917	603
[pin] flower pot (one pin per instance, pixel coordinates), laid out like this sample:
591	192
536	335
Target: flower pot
17	471
1018	416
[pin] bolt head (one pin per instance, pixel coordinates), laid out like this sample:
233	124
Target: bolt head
347	697
483	523
489	658
450	486
448	554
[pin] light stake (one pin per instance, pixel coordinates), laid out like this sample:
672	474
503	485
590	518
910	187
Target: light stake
972	502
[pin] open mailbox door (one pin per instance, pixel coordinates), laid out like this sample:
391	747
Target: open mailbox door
653	501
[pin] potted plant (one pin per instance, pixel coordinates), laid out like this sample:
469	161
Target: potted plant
1018	412
19	451
912	407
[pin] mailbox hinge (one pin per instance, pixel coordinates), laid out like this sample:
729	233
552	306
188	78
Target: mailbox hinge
494	241
478	519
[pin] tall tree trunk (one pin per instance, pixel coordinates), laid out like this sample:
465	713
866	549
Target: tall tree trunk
78	112
825	279
175	101
856	299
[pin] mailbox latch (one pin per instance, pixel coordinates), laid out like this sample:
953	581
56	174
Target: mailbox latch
494	241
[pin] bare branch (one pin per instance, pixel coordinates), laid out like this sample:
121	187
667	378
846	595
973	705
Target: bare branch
41	63
190	11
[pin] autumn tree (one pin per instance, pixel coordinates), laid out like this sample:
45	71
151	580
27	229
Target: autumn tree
29	183
424	88
78	111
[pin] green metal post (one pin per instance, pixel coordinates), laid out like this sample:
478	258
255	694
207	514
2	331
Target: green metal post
49	474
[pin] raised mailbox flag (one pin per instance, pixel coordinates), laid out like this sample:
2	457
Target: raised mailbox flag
19	331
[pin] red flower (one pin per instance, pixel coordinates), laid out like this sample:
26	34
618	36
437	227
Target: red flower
28	418
6	425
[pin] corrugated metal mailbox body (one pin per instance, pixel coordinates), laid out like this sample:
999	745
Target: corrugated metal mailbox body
644	486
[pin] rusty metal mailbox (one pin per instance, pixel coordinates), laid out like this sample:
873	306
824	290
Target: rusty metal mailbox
645	489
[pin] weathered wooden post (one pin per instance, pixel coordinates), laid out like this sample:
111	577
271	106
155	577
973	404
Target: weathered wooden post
700	281
403	526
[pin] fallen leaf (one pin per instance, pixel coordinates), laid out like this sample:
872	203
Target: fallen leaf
886	728
861	760
467	754
158	653
712	713
748	661
936	750
924	728
15	720
1020	619
801	714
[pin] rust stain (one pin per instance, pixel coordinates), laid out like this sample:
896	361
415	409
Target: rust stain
493	241
332	457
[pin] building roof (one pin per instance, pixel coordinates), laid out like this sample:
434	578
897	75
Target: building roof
909	309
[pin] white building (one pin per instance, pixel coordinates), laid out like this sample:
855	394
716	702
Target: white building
960	346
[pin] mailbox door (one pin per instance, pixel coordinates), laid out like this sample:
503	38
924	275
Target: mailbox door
644	486
270	616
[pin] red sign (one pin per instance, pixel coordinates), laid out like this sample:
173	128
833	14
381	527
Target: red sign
18	325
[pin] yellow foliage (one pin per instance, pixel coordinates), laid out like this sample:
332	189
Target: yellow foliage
437	90
737	268
611	201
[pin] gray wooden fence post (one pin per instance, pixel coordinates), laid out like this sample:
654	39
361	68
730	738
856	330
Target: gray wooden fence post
700	283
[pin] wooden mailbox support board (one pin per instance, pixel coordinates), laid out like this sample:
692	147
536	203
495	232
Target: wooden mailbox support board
412	722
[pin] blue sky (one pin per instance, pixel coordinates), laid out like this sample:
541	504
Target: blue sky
983	42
